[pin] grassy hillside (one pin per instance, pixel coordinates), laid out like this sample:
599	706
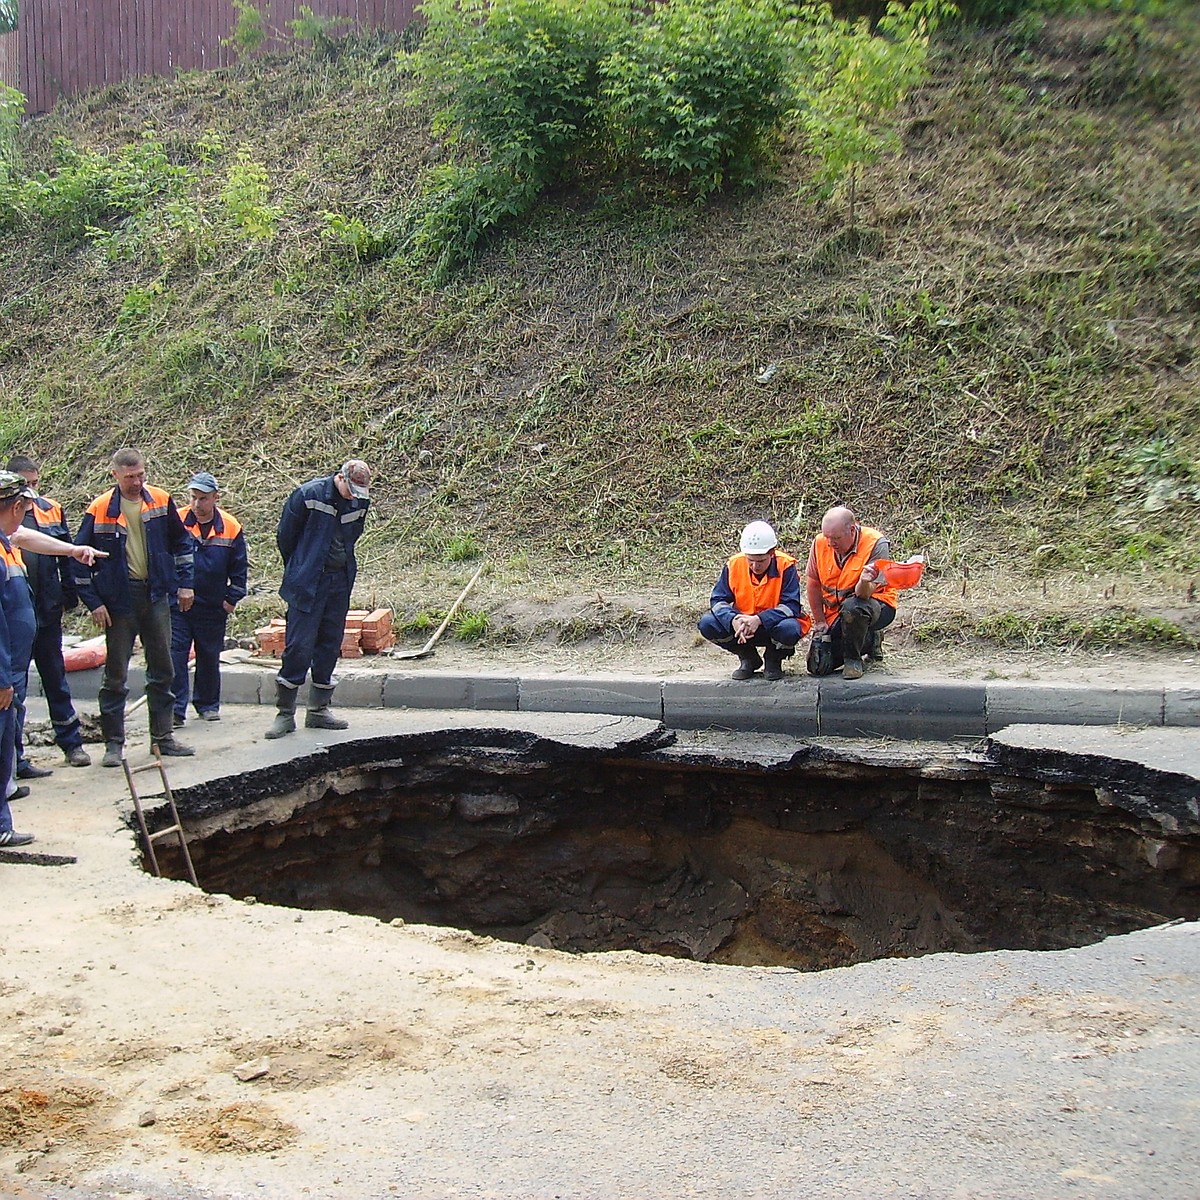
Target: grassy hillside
998	364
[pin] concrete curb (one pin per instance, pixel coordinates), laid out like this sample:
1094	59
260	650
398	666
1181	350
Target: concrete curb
877	705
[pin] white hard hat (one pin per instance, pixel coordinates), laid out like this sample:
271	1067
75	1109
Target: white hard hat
758	538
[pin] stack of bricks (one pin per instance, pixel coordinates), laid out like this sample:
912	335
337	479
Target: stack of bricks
367	632
271	638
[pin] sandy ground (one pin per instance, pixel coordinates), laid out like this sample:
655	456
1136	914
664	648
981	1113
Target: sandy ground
419	1062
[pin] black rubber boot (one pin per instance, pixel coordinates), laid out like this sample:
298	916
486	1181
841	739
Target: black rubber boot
772	664
320	714
285	717
748	662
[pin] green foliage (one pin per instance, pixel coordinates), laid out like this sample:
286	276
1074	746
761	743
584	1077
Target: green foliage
470	626
462	547
249	28
1162	474
93	191
12	105
245	194
699	90
321	31
854	78
354	236
8	15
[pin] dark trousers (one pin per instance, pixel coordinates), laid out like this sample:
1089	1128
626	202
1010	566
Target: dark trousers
152	623
203	626
314	636
719	630
857	620
48	658
8	762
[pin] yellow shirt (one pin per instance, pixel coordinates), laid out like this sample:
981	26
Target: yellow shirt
136	558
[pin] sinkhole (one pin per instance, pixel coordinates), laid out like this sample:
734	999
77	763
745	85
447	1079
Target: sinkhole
806	855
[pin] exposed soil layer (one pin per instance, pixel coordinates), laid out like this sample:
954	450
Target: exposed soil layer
832	858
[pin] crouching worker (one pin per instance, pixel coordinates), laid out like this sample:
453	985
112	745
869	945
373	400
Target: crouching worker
850	599
755	605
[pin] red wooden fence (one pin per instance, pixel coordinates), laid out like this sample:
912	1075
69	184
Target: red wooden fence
62	47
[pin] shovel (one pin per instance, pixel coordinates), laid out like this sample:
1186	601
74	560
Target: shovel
426	650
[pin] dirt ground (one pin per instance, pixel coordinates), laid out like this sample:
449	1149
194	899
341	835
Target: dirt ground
157	1042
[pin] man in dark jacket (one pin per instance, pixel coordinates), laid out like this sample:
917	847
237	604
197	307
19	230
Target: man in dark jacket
220	582
150	557
53	586
321	521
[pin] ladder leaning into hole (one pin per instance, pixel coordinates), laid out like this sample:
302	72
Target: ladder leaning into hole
176	826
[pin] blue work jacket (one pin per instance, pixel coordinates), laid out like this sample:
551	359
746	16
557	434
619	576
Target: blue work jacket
18	625
168	549
311	515
50	576
221	563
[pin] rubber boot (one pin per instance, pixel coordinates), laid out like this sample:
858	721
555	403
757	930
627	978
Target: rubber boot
772	664
748	663
320	715
285	718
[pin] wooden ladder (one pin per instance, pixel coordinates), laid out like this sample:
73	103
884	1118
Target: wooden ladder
176	827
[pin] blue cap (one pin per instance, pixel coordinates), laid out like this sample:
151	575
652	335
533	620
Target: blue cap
202	481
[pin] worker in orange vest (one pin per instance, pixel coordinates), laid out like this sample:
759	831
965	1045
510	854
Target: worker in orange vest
755	605
850	599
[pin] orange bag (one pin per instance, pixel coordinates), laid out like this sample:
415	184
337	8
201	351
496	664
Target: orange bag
86	656
901	574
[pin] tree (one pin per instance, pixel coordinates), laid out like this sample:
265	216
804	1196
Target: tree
8	15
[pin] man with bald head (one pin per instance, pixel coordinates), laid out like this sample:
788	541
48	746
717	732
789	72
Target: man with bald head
849	599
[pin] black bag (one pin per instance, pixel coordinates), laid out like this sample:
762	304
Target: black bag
820	655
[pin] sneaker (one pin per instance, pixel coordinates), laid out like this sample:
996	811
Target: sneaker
210	715
27	770
748	664
10	837
853	669
168	747
18	793
114	752
179	720
77	756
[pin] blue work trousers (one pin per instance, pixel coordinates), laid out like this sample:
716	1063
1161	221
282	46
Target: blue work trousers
314	636
152	623
203	626
719	630
48	658
8	763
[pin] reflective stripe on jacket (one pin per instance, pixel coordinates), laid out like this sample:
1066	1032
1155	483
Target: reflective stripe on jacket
311	515
168	551
221	562
50	576
18	625
839	582
774	598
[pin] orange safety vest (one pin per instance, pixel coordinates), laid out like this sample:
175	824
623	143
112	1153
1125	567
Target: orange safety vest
838	583
752	595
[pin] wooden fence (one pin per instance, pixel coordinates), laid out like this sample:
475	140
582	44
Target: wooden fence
62	47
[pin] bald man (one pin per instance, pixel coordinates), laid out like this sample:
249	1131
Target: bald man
850	602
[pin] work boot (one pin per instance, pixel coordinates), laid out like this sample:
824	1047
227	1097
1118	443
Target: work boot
853	668
178	720
285	718
113	753
27	770
320	715
773	664
748	663
874	647
168	747
77	756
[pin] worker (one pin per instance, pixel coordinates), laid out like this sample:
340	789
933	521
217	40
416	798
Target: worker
220	566
321	521
755	605
53	586
151	557
850	600
18	627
